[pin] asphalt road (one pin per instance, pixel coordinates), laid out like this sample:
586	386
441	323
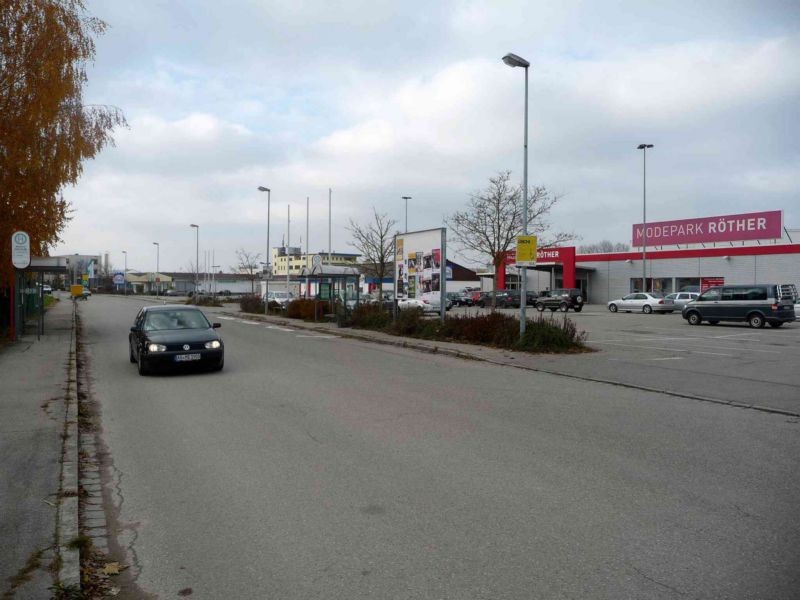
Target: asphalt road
729	361
320	467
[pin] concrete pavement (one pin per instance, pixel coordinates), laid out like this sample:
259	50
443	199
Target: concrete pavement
34	396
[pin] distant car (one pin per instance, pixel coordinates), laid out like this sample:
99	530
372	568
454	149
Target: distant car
754	304
174	336
433	302
409	303
282	298
642	302
171	293
86	293
681	299
560	299
47	289
460	298
511	298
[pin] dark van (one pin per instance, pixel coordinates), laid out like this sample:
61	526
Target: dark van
756	304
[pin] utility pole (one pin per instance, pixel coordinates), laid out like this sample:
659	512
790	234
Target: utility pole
288	246
329	225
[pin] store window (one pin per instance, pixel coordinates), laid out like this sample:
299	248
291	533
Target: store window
687	284
662	285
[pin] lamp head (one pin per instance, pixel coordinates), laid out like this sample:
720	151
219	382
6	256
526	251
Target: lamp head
261	188
193	225
512	60
643	146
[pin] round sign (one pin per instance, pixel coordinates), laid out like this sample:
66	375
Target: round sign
316	261
20	250
119	278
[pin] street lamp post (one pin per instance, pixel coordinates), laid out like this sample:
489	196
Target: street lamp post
643	148
261	188
157	278
125	252
288	244
196	260
406	198
512	60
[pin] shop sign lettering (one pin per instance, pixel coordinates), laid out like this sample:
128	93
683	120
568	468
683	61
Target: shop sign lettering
730	228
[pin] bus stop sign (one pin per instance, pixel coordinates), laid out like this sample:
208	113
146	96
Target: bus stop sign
20	250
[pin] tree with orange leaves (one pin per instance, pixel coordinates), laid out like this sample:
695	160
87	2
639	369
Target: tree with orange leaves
46	131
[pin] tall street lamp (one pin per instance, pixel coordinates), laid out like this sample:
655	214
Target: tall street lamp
196	260
512	60
261	188
125	252
406	198
157	278
643	148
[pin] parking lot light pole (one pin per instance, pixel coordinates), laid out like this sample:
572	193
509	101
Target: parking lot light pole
196	261
643	148
156	278
125	252
512	60
406	198
261	188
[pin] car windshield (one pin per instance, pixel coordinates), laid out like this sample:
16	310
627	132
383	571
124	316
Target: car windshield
163	320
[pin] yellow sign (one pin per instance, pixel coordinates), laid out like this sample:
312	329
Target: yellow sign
85	278
526	250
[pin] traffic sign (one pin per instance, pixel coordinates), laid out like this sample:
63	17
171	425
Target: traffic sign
119	278
20	250
526	250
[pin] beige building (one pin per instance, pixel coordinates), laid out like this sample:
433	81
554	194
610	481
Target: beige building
296	260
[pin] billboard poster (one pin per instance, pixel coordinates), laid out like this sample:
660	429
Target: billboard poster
709	282
420	257
765	225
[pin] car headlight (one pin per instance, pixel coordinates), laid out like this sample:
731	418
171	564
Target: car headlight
213	344
156	347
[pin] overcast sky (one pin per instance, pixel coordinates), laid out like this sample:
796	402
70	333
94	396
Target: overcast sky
379	100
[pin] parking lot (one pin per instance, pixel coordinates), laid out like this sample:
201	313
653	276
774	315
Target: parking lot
727	362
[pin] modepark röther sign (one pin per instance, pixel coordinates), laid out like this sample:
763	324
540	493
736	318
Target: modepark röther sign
765	225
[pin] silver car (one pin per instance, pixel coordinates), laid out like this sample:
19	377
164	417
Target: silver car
680	299
642	302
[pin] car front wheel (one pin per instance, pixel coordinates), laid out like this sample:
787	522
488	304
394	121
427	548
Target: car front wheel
142	366
694	319
756	321
539	306
563	307
647	309
612	307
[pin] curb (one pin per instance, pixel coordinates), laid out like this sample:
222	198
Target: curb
469	356
69	572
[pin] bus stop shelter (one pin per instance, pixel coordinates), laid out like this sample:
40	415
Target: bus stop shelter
28	292
334	284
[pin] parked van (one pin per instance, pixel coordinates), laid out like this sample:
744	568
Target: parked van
756	304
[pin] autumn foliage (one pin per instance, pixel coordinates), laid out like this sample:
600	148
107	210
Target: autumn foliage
46	130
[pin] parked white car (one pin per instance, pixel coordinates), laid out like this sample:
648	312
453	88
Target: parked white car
282	298
642	302
406	303
681	299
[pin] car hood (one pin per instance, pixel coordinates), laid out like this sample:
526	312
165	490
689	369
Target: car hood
182	335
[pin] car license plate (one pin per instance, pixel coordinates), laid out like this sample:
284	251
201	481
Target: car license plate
186	357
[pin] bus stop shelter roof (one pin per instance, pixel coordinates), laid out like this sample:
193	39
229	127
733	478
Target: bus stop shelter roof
330	272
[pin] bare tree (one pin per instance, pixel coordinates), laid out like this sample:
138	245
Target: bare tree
493	220
375	242
604	246
248	266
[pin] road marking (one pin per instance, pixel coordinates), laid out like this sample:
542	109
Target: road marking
666	358
634	345
637	347
276	327
246	322
226	318
319	337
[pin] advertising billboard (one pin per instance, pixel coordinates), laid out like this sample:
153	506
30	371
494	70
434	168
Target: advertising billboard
420	266
765	225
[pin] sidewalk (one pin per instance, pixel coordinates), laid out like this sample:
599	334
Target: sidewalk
33	380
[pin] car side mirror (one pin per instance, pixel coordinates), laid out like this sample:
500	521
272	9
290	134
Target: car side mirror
134	330
216	325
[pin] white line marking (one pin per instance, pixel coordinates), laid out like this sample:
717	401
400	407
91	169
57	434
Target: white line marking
319	337
666	358
276	327
246	322
636	347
